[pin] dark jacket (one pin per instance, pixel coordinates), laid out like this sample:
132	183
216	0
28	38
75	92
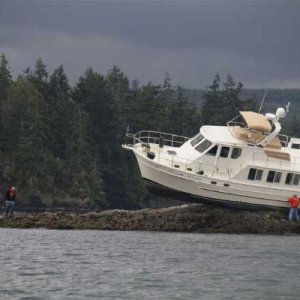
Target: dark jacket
10	195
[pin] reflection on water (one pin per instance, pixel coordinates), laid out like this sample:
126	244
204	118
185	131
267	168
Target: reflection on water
52	264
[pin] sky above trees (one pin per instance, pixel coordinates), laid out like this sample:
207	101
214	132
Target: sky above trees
256	41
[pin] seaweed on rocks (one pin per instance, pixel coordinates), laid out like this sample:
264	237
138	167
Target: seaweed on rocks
184	218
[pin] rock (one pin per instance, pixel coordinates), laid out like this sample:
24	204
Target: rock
184	218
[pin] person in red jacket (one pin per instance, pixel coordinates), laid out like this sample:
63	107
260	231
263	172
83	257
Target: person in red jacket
294	203
10	198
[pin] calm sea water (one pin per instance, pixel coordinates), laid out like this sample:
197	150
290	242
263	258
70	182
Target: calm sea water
52	264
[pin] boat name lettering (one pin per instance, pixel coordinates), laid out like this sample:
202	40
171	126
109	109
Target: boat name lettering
175	172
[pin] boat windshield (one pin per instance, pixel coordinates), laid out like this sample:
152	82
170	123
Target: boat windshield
198	138
203	146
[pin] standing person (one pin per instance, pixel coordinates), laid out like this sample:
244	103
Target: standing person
294	203
10	198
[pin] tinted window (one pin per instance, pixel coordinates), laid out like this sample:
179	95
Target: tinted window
296	179
196	140
271	176
289	178
292	178
236	152
274	176
251	175
203	146
277	177
258	174
255	174
296	146
224	152
212	151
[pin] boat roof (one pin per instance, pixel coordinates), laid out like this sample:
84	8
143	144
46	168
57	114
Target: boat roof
219	135
256	121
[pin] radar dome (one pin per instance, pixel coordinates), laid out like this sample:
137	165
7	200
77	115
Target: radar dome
280	112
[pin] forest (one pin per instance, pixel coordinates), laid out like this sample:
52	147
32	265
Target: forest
60	145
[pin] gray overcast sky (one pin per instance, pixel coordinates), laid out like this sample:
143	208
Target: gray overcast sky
258	42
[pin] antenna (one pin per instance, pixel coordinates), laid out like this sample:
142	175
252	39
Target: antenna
287	108
263	100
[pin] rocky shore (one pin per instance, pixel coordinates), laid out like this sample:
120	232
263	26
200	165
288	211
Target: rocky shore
184	218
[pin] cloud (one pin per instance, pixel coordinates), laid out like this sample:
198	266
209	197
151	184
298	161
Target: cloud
192	40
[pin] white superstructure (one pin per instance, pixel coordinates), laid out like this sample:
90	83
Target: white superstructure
244	163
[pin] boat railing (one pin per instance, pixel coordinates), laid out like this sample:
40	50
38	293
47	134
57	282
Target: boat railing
270	162
235	123
157	137
284	139
265	161
203	168
190	167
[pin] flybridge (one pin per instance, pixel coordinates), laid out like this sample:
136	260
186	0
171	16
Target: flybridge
258	129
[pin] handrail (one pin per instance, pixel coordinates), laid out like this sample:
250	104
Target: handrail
284	139
184	164
157	137
268	162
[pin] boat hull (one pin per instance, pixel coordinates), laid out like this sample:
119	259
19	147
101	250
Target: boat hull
189	187
162	191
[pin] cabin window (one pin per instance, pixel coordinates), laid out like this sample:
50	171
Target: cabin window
203	146
296	146
212	151
236	152
255	174
224	152
292	179
198	138
296	179
274	176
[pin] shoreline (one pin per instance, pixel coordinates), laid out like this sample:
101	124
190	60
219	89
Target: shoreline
195	218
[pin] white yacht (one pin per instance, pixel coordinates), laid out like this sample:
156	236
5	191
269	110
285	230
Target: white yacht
246	163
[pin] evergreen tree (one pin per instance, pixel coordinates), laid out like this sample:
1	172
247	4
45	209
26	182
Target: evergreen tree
92	97
231	100
83	169
184	118
95	95
58	111
149	108
220	106
118	88
5	79
135	85
40	79
167	81
212	105
30	157
5	103
40	71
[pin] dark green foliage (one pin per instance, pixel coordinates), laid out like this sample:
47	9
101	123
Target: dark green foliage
184	118
5	99
221	105
61	146
5	79
211	107
40	71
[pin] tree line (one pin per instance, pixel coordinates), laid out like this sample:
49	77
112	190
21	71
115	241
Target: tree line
60	145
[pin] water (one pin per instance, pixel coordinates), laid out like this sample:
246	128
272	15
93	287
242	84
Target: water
52	264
